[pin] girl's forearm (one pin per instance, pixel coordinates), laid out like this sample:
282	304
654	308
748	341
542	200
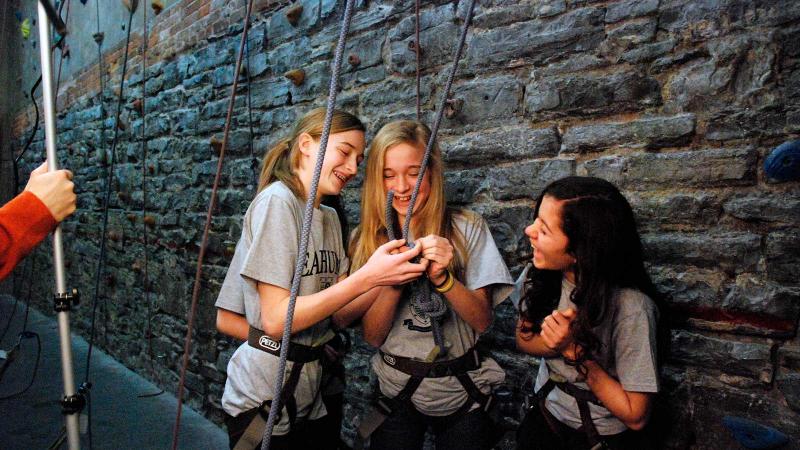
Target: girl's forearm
472	306
632	408
356	308
378	319
309	309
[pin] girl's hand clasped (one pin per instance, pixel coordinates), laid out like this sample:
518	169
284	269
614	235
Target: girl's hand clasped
439	251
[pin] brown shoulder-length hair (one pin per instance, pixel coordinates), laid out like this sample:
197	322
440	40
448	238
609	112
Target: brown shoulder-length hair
434	217
282	160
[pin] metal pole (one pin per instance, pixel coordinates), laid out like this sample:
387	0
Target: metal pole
48	102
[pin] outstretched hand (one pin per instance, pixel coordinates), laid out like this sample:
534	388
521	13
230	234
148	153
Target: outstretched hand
54	189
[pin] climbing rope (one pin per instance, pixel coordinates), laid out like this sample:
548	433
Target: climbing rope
86	385
427	303
207	227
306	228
416	51
251	131
145	269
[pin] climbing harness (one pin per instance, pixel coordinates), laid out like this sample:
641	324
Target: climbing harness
207	228
427	303
299	355
418	371
582	397
307	216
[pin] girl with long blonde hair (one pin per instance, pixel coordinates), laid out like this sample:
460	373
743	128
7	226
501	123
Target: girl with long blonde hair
257	284
423	384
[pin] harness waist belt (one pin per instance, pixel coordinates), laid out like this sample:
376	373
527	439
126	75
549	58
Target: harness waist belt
297	352
451	367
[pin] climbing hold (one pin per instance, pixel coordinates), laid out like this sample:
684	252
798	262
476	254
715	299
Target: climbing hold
131	5
354	60
229	251
452	107
111	281
138	105
216	144
132	218
157	6
150	221
65	53
753	434
412	45
293	14
114	235
783	164
296	76
121	125
98	37
83	2
151	168
25	28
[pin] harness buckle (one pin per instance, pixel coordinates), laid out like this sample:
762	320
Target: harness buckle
263	410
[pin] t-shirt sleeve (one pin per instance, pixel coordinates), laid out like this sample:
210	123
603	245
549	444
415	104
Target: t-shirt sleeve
272	255
635	350
341	248
231	295
485	266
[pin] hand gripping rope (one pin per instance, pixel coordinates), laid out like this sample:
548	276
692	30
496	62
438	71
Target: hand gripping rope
306	229
425	301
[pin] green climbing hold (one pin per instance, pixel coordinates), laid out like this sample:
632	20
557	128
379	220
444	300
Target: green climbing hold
25	27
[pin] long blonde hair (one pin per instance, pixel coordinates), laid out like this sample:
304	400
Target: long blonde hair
434	217
283	159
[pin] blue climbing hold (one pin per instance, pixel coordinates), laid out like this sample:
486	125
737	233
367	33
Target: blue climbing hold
783	164
754	435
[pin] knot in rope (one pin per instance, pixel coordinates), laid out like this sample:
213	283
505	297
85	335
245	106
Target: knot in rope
425	302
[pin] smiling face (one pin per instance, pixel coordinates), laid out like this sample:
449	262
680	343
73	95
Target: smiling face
344	153
401	166
548	240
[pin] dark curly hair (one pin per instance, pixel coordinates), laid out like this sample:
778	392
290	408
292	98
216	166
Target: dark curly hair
602	237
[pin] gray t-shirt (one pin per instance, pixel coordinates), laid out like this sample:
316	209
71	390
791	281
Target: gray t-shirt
267	253
410	336
628	354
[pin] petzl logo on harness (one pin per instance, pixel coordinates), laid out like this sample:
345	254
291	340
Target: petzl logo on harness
389	359
269	344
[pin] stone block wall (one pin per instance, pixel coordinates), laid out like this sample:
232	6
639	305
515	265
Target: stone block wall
676	101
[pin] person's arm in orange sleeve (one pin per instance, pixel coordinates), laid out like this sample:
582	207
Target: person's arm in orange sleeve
27	219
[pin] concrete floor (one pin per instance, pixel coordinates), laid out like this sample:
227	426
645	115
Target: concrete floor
120	418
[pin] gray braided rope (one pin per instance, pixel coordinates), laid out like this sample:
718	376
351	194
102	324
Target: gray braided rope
306	229
438	120
426	302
